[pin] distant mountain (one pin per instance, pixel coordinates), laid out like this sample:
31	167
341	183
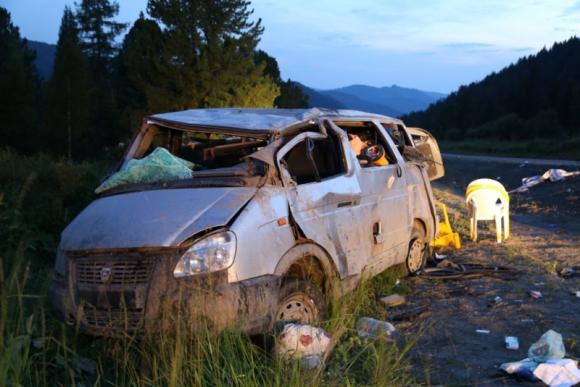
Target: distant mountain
392	101
45	54
536	98
317	99
401	99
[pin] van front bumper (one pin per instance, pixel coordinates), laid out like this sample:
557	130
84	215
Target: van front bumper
157	301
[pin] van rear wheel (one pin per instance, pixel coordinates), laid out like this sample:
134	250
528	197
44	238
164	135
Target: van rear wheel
417	253
300	302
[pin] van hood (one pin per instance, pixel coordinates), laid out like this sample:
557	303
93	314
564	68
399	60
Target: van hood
160	218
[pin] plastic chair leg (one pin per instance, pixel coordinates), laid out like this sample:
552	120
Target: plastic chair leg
498	221
506	223
473	228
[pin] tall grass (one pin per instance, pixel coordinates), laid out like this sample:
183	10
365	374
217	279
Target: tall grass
38	350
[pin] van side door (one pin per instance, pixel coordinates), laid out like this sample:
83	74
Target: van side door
324	196
384	201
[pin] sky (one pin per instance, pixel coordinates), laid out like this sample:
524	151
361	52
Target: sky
434	45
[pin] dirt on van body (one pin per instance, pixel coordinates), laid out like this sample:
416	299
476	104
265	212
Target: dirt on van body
545	234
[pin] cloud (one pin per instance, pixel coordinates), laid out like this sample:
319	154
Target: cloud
471	47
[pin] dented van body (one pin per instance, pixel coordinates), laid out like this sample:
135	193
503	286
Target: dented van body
278	211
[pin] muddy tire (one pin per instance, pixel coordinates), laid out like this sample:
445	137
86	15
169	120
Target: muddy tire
300	302
417	253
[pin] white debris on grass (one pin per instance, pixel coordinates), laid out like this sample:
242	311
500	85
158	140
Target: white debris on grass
299	341
552	175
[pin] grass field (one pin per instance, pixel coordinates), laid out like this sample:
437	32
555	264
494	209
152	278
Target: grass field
38	197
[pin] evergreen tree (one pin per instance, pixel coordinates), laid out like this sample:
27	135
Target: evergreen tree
143	75
209	49
98	31
66	105
291	95
19	83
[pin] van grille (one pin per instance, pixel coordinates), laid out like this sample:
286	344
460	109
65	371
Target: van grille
129	320
121	271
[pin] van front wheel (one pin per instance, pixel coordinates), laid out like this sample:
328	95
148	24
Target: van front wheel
417	252
300	302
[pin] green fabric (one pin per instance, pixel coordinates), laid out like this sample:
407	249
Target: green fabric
159	166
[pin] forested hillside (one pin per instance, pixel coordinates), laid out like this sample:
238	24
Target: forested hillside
107	75
534	99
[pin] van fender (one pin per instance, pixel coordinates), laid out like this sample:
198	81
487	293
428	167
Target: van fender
303	250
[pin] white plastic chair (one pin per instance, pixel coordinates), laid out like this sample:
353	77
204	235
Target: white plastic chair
487	199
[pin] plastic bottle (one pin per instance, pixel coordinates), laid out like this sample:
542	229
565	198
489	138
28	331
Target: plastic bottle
372	328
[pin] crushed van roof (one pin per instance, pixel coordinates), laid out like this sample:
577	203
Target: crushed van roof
255	121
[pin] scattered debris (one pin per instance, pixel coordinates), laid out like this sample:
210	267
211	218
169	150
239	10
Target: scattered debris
523	368
552	175
527	321
546	362
550	346
393	300
569	272
535	294
299	341
511	342
372	328
439	257
447	270
558	372
409	313
577	293
485	331
310	362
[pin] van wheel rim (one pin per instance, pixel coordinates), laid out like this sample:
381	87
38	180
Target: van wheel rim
415	259
299	308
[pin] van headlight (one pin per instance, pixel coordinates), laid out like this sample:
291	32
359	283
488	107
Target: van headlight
212	253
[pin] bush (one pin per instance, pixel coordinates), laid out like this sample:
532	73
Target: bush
38	198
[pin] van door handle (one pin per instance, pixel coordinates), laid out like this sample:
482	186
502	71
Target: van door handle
399	171
345	204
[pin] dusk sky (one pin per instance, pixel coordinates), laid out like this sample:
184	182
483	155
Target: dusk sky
429	44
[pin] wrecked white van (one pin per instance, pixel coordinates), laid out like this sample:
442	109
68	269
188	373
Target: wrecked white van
244	217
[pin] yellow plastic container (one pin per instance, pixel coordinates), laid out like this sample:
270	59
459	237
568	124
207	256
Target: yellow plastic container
446	237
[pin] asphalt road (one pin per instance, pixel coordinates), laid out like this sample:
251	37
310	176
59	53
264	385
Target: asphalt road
514	160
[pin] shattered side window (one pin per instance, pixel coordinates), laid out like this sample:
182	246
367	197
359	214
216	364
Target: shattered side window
315	160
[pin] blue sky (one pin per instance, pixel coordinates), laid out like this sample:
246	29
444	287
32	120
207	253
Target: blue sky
434	45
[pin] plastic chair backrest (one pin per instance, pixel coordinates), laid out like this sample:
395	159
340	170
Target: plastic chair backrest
486	193
486	202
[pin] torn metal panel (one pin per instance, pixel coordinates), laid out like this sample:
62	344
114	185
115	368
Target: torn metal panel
255	121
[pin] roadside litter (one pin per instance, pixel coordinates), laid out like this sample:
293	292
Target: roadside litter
535	294
409	314
552	175
550	346
484	331
371	328
546	362
393	300
301	341
447	270
511	342
569	272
